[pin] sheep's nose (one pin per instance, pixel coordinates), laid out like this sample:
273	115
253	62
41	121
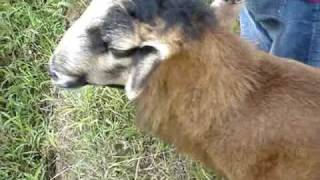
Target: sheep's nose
67	81
53	74
61	77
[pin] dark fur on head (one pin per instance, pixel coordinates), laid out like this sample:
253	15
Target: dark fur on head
190	15
135	34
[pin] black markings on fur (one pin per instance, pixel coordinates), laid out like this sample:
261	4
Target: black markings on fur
116	25
191	15
96	42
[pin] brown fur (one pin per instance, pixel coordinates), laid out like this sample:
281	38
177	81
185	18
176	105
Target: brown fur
243	112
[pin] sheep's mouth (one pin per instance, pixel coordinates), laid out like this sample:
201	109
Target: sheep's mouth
77	86
71	85
115	86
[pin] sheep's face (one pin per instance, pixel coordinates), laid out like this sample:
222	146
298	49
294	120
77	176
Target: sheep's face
121	42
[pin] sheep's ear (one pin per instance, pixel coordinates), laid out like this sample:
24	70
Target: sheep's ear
227	11
145	61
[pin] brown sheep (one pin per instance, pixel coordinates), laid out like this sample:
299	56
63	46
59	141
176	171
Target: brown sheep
243	112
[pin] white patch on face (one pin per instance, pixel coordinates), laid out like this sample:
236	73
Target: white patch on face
101	69
96	11
74	46
76	38
126	43
107	62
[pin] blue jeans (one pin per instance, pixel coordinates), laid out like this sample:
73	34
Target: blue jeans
286	28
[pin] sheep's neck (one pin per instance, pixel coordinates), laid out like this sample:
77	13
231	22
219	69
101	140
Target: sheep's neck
191	98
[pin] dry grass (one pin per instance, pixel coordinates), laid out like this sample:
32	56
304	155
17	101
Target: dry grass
97	140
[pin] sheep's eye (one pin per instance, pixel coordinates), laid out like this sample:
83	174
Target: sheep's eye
122	53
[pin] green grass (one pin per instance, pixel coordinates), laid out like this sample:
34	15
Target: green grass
82	134
27	35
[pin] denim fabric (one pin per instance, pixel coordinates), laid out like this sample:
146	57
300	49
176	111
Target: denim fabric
314	1
286	28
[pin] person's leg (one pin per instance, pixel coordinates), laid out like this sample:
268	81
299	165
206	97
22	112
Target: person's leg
292	26
295	36
254	25
314	56
251	31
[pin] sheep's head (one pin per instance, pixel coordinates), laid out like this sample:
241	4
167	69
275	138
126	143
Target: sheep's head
121	42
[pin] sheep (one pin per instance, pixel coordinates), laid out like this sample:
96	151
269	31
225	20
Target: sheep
245	113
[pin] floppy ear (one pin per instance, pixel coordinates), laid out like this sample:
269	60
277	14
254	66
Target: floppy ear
145	61
227	11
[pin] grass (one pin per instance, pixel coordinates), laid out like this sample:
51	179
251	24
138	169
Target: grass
27	35
83	134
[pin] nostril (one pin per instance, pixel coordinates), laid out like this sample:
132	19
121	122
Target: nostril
53	75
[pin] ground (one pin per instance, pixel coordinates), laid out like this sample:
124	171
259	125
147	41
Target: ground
47	133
